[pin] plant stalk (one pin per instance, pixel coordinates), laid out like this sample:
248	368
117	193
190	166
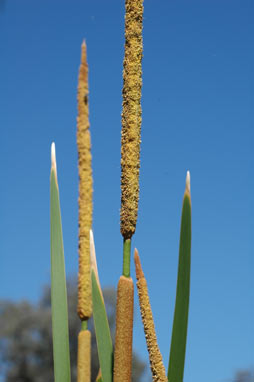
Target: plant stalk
126	257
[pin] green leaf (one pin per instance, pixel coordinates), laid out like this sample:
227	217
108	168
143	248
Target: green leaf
60	330
179	332
102	331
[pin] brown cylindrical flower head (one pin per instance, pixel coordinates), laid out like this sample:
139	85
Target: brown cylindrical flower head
156	363
131	116
124	328
85	191
84	356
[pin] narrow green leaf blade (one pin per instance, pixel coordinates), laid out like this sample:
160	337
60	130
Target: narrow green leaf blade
179	332
59	308
102	331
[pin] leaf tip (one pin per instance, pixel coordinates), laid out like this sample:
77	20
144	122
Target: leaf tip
93	261
188	181
53	156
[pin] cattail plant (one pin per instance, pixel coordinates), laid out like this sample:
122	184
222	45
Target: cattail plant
114	367
85	191
130	163
85	221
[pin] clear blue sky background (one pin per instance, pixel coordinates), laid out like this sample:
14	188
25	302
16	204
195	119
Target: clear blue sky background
197	106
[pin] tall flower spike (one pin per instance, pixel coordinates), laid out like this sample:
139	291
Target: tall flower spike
85	191
131	117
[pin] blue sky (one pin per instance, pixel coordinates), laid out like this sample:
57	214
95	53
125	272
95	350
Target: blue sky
197	103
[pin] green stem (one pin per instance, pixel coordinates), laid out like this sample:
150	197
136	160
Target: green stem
126	257
84	325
